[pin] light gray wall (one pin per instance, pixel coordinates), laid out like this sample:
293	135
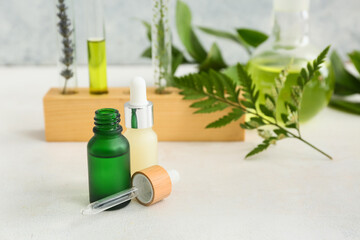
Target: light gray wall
27	27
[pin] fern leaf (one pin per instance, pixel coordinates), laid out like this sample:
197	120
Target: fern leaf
225	120
218	85
204	103
216	107
246	83
261	147
265	110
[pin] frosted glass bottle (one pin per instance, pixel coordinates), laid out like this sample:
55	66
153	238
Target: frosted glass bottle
139	121
289	46
108	157
143	150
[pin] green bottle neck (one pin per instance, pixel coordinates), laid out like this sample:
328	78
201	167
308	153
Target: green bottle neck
107	122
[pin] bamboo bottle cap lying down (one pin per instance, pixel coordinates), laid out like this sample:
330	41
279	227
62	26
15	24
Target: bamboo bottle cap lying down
154	184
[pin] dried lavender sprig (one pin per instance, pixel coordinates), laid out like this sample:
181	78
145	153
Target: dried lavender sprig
65	31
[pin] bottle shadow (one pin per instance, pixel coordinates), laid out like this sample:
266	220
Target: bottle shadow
34	134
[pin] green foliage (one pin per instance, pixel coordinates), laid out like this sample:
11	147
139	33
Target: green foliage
355	58
259	148
147	25
212	59
187	34
236	114
345	83
306	74
247	38
163	48
251	37
249	93
346	105
222	34
215	91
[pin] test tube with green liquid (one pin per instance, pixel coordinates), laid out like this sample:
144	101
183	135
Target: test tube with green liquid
96	47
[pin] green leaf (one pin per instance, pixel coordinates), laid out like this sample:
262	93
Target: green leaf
292	125
304	74
261	147
307	74
252	37
214	60
232	90
218	85
284	118
271	99
147	53
258	120
247	125
206	80
232	73
220	33
280	132
177	59
344	105
219	106
291	107
245	81
266	111
187	34
190	94
207	103
148	29
225	120
345	83
320	60
193	96
355	58
248	104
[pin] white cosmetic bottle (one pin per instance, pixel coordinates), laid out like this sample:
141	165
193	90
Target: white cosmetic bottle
139	121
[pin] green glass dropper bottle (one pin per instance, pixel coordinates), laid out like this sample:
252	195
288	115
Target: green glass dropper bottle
108	157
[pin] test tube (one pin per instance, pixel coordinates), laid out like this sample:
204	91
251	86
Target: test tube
96	47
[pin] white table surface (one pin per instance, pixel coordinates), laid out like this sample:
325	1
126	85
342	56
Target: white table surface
288	192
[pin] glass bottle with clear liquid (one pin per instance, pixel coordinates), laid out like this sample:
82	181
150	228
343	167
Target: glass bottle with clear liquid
289	47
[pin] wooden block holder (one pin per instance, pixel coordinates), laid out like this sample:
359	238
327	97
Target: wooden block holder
70	118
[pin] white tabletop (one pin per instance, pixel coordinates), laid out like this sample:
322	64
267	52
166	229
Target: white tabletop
288	192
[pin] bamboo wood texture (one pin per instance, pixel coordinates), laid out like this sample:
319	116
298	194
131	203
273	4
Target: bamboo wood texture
160	181
70	118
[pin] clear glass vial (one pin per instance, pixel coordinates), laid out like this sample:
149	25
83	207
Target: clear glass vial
289	47
161	45
66	46
96	47
108	157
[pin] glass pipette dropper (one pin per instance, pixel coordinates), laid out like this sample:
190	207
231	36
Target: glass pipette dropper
145	184
110	201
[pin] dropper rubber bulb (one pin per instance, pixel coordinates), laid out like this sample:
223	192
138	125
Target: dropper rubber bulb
138	92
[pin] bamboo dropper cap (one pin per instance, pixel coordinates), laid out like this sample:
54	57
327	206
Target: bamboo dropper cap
154	184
